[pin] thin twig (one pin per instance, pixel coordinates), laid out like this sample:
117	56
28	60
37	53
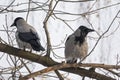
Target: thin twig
50	12
28	10
7	6
46	29
101	36
26	67
59	75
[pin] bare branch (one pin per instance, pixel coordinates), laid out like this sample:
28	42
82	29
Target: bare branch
47	61
46	28
75	0
8	6
28	10
102	35
59	75
60	66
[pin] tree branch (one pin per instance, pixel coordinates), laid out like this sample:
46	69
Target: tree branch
64	66
75	0
7	6
47	33
50	12
47	61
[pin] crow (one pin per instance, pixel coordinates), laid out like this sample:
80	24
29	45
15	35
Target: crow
76	46
26	35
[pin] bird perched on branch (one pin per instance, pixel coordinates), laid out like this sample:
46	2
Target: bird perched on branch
76	46
26	35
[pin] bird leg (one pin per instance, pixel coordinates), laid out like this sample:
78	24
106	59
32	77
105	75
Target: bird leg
30	50
72	61
24	48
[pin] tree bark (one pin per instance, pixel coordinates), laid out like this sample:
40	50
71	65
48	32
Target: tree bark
47	61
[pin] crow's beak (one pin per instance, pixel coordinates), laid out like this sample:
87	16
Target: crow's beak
90	30
12	25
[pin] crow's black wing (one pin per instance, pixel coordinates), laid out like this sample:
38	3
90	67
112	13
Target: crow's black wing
32	38
27	36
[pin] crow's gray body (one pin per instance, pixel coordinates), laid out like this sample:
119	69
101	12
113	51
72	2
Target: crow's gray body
26	35
21	44
74	51
76	46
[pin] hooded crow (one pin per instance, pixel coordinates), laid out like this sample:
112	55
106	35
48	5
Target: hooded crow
26	35
76	46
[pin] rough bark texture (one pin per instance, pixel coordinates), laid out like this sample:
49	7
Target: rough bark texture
46	61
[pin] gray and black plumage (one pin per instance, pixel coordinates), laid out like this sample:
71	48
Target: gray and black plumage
76	46
26	35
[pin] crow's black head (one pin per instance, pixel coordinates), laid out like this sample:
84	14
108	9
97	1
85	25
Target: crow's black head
83	31
15	21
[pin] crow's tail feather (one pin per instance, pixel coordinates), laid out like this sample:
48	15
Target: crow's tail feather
36	45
